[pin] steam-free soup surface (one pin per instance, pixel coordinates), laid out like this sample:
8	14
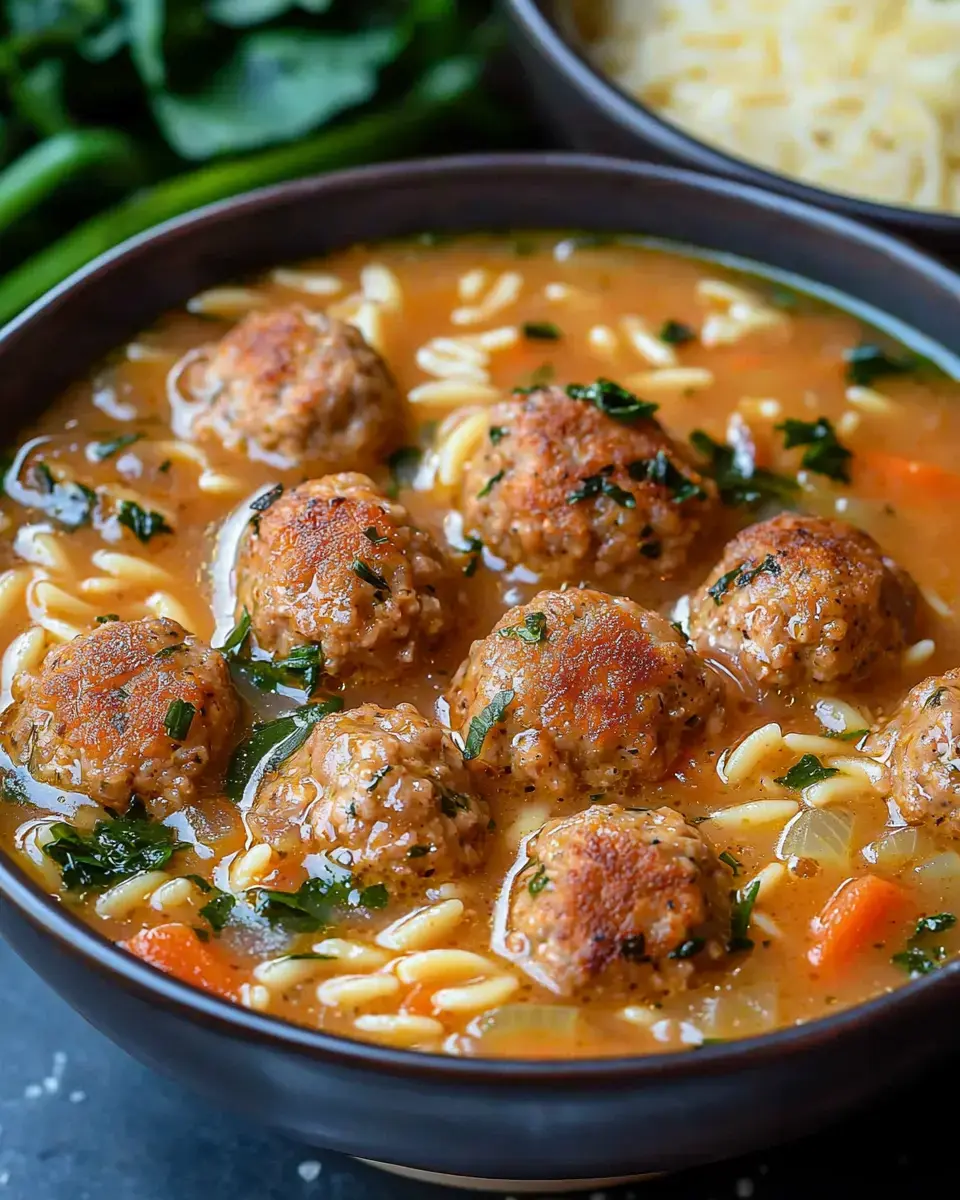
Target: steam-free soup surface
567	800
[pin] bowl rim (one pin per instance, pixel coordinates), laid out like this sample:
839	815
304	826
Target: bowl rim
545	33
47	914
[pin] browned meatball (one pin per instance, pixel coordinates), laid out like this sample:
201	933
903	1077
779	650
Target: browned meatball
105	715
799	598
921	747
593	691
291	386
335	563
384	790
570	492
610	889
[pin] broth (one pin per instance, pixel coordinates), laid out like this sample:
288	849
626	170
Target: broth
787	364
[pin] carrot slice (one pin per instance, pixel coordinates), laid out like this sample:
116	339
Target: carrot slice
854	916
904	480
176	950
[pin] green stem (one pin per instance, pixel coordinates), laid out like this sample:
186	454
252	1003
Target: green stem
406	126
45	167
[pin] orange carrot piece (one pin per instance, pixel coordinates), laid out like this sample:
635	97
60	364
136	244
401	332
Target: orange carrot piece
176	950
904	480
854	916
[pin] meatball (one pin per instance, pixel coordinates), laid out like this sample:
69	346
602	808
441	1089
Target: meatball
571	492
335	563
612	888
578	689
920	745
289	385
798	599
134	708
385	791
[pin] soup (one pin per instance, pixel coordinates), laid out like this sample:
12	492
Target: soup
592	718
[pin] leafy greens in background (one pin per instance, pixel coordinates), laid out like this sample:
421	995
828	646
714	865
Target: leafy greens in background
118	114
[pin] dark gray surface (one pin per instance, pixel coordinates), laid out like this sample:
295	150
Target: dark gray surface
81	1121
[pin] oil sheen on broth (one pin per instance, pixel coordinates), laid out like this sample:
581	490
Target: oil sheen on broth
738	840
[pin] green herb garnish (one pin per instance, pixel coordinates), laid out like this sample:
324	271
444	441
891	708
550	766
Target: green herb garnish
866	363
268	745
217	912
489	485
380	773
935	699
807	771
634	949
661	471
237	636
418	851
533	629
70	504
688	948
371	534
114	850
538	881
144	523
168	651
485	720
918	960
474	551
740	914
602	485
676	333
541	331
741	484
734	864
742	576
403	464
106	618
267	498
98	451
365	572
613	400
824	453
846	735
318	902
498	433
179	718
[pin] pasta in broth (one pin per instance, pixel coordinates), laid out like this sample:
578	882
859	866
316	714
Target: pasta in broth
375	661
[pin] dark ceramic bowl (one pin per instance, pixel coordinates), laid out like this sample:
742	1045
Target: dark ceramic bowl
588	111
508	1120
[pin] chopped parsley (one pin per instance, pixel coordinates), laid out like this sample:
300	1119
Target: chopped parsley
179	718
168	651
365	572
935	699
602	485
676	333
112	851
538	881
634	949
372	535
98	451
741	484
734	864
144	523
537	380
917	959
217	912
742	910
532	630
418	851
660	470
688	948
474	551
741	576
489	485
807	771
452	803
613	400
485	720
270	744
267	498
824	453
866	363
237	636
380	773
106	618
541	331
318	902
498	433
651	549
299	671
403	464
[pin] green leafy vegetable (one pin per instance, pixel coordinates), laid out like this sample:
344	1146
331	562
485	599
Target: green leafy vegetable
489	485
485	720
372	536
418	851
741	484
533	629
740	914
106	618
145	524
498	433
867	363
613	400
318	902
179	718
917	959
380	773
719	589
661	471
114	850
268	745
98	451
935	699
300	670
742	576
404	464
474	551
541	331
539	378
169	651
601	485
734	865
824	453
266	499
237	636
937	923
807	771
217	912
365	572
676	333
538	881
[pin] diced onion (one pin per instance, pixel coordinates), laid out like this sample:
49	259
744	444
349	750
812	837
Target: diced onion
942	868
821	834
741	1012
510	1020
895	849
